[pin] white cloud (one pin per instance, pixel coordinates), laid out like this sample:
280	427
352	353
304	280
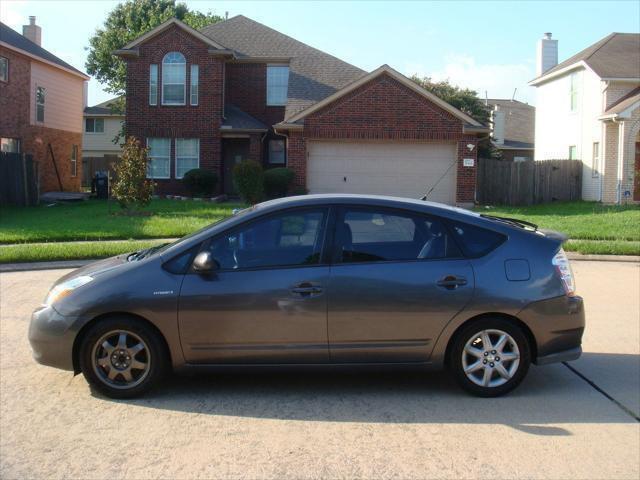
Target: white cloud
497	80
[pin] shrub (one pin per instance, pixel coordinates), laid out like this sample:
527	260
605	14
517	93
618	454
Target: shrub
200	182
299	190
131	187
248	176
277	181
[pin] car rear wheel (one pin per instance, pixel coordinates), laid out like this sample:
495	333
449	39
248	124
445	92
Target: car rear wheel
122	358
490	357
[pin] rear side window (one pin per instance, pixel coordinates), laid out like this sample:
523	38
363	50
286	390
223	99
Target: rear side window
476	241
379	235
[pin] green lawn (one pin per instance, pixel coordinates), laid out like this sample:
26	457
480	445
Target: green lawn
98	220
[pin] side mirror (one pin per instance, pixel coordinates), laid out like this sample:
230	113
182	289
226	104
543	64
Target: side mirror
204	263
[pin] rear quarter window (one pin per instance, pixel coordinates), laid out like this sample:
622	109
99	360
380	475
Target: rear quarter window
476	241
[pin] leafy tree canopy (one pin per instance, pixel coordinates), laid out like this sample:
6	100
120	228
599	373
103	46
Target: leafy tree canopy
125	23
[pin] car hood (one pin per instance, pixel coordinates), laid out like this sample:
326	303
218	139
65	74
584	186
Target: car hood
95	269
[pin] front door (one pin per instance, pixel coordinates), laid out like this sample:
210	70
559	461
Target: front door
235	151
266	303
397	280
636	175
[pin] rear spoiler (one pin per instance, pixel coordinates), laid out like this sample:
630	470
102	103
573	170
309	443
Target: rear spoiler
555	235
512	221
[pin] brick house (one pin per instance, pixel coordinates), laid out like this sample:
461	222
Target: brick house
512	128
41	100
588	108
240	90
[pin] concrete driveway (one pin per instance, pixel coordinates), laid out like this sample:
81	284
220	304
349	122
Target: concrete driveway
556	425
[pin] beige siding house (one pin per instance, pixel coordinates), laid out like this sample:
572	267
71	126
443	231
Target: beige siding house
588	108
512	128
101	138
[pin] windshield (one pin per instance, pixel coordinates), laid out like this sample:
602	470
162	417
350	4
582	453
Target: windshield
165	246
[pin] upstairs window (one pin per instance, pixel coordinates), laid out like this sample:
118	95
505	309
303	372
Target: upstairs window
194	85
574	92
4	69
277	83
174	68
40	94
159	157
94	125
573	153
153	84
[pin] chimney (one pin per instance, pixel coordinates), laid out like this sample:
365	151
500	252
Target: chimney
547	54
32	31
497	119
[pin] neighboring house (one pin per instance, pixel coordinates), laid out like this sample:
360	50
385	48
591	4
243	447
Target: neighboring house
588	108
512	128
239	90
102	125
41	100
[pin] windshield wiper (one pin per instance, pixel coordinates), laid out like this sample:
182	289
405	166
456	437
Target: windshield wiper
512	221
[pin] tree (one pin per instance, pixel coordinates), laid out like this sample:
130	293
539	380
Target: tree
124	24
131	187
466	101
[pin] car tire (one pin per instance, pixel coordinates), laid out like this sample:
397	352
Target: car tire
493	369
122	357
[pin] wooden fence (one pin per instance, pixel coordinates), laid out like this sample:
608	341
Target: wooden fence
91	165
19	181
525	183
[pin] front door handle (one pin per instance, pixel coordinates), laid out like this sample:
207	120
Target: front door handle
306	290
451	282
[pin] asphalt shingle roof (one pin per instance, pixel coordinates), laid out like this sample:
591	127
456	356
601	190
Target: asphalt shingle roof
13	38
615	56
237	119
313	74
625	102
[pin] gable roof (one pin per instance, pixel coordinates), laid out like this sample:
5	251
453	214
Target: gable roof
236	119
624	106
386	69
13	40
313	74
161	28
615	56
104	109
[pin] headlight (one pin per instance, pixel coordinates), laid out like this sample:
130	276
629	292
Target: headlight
65	288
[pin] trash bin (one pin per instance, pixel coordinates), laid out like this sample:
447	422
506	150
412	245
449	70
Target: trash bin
101	185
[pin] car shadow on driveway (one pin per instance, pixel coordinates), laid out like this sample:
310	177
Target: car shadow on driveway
549	395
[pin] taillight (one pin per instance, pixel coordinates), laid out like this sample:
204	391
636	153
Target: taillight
563	269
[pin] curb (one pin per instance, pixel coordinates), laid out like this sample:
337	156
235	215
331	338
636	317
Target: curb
603	258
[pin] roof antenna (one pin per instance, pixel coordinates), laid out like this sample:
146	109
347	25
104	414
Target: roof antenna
513	97
486	98
226	15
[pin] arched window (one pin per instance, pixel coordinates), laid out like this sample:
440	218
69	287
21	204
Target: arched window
174	67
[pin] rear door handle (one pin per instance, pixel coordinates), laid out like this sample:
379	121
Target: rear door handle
451	282
306	290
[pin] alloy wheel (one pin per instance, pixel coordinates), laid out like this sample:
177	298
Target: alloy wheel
121	359
490	358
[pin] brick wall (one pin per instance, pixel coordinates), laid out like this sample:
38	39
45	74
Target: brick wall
385	109
246	88
15	104
184	121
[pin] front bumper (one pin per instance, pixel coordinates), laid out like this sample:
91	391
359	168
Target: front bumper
51	338
557	325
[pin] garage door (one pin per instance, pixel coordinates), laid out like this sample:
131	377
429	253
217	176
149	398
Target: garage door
397	169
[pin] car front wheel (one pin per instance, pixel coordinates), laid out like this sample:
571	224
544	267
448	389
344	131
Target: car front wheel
122	358
490	357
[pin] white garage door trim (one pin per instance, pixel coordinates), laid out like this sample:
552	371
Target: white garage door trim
403	169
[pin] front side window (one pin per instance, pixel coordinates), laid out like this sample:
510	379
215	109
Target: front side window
277	84
371	235
276	152
194	84
573	153
153	84
74	160
4	69
174	68
595	160
40	94
94	125
159	156
10	145
187	155
287	239
574	92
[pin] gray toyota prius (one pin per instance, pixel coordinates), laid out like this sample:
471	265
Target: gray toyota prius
321	281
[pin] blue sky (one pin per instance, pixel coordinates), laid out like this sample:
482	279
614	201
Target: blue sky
487	46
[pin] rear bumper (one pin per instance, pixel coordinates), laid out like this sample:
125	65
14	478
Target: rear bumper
557	325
